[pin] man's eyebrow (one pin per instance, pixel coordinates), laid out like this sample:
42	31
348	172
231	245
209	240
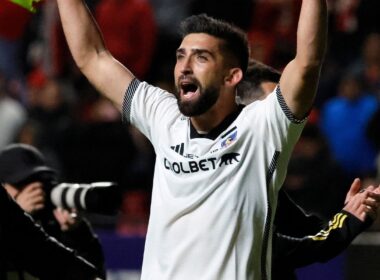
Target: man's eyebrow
202	51
195	51
180	51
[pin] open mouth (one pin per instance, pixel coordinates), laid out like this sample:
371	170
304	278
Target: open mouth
188	89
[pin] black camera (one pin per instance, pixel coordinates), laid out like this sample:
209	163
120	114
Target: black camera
22	164
98	197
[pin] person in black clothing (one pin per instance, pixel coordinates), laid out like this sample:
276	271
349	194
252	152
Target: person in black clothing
27	179
26	244
311	240
291	251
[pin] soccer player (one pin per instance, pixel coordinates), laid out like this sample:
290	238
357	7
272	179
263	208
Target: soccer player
320	244
219	166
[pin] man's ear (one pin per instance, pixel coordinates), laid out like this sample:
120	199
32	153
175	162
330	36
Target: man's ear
234	76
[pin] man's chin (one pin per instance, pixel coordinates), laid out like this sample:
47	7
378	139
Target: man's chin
189	109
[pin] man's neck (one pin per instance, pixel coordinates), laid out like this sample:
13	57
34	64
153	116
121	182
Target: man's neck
204	123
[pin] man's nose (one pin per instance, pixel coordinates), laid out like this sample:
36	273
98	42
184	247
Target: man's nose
186	66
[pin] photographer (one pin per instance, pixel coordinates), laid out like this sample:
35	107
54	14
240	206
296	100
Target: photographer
27	178
26	244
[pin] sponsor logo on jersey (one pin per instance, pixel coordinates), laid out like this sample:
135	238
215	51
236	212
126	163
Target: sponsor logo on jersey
194	166
180	149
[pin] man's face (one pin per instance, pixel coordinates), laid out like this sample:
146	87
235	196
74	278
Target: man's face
199	73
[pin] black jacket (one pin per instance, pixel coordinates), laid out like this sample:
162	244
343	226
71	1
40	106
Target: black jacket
25	244
299	241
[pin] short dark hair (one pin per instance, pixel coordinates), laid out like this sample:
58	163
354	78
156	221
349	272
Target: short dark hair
249	88
235	40
258	72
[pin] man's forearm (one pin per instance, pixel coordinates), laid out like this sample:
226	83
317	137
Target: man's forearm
321	247
312	33
299	80
82	33
85	41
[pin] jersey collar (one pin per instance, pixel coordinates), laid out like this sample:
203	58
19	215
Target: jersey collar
216	131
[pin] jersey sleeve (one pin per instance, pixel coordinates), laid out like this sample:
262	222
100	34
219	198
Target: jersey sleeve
272	122
284	127
148	108
321	247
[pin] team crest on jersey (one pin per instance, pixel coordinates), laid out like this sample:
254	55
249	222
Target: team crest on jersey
231	138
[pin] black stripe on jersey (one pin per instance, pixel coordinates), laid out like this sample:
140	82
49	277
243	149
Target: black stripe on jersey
127	102
181	150
178	148
286	109
272	168
228	132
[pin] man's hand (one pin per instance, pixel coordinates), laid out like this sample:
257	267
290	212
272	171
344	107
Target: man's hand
362	202
31	198
66	219
354	189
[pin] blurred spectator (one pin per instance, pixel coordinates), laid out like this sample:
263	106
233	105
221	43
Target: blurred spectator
344	120
50	115
97	147
168	16
351	22
141	171
240	13
12	115
135	213
368	17
129	31
367	66
314	180
14	21
344	27
272	33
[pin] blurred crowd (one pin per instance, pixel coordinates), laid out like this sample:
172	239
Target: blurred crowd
46	102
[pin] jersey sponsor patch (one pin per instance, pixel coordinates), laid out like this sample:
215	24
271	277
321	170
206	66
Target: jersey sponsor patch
194	166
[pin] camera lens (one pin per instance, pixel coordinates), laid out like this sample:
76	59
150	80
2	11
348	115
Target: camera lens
99	197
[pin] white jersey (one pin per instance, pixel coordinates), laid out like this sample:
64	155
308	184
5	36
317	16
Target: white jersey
213	197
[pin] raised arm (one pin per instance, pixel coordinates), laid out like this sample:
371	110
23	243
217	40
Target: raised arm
89	52
299	80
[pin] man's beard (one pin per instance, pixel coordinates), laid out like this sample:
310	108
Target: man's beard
207	98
